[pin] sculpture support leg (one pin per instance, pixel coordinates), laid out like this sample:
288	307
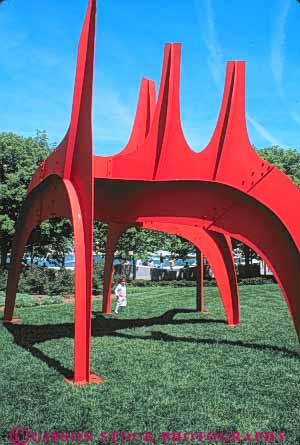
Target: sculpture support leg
223	267
199	280
31	214
113	235
83	294
284	261
24	227
217	248
273	242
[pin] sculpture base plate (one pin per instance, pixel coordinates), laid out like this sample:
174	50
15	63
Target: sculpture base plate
13	320
92	379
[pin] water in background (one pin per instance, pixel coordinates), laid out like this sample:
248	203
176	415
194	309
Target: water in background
70	261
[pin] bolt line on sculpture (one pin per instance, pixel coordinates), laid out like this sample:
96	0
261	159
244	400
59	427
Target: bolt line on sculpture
158	182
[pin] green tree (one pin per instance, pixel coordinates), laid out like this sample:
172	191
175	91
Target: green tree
100	235
287	160
51	240
142	241
177	246
19	157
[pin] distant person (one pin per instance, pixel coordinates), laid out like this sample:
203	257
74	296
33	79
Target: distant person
139	263
150	263
172	263
118	266
120	293
210	272
186	270
127	267
161	260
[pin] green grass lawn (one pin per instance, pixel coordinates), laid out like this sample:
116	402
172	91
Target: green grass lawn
166	368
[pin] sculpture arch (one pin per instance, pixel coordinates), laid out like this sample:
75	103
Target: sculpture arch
214	246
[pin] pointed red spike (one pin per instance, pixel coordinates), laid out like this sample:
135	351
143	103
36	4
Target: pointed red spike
217	140
143	116
81	118
167	112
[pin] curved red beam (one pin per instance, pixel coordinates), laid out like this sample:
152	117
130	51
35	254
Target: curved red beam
216	248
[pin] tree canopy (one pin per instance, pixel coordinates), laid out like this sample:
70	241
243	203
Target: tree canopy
19	158
142	241
287	160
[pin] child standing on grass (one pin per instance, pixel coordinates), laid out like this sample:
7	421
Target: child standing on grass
120	293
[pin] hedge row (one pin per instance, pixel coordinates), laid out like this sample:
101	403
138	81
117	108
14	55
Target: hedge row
43	281
207	283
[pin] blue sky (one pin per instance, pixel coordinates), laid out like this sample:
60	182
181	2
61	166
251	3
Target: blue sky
38	44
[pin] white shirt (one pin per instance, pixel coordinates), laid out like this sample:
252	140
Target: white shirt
120	293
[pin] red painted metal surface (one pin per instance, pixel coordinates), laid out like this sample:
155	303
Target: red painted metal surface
216	248
226	189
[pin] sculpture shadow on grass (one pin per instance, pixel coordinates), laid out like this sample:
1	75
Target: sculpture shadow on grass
27	336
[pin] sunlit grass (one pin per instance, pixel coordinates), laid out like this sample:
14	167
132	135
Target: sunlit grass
164	369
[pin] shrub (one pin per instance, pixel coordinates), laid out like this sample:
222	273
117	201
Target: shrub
52	299
98	276
207	283
171	283
26	300
2	298
256	280
43	281
3	279
60	282
34	280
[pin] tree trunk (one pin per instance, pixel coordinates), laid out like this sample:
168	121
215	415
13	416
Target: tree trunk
133	268
199	280
247	255
31	255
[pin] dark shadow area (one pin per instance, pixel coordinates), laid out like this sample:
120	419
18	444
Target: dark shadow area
27	336
156	335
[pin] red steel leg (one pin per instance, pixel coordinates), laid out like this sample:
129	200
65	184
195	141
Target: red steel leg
83	295
113	235
200	284
23	230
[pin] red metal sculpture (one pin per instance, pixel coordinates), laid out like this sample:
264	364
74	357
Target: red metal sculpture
158	181
214	246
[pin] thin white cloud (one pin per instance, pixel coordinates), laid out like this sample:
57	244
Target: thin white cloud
262	131
278	42
215	60
277	59
112	118
216	63
295	116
